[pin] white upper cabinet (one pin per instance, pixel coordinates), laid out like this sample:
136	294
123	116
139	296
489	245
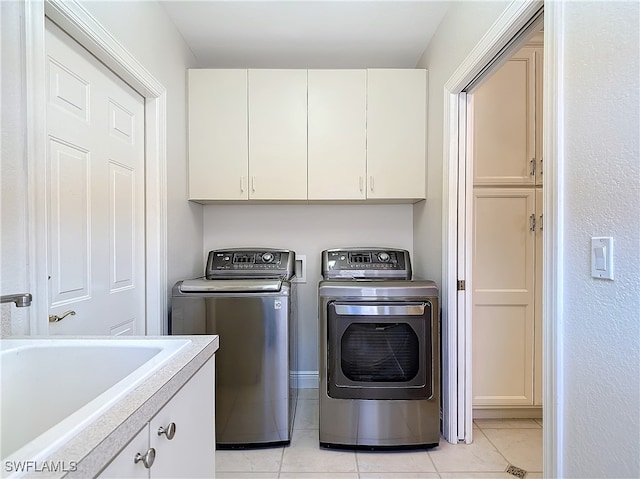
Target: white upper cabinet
278	134
298	135
218	135
505	124
396	133
337	116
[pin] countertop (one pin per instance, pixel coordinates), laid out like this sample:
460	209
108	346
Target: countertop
90	451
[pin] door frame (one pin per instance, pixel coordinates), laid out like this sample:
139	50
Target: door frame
457	335
72	17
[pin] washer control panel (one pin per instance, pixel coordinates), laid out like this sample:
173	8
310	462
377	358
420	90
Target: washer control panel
366	263
250	263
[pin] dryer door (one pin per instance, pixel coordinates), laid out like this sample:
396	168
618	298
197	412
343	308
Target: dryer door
380	350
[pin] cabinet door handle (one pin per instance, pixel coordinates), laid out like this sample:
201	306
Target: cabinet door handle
242	184
169	431
532	165
532	223
253	184
360	182
371	182
147	459
541	223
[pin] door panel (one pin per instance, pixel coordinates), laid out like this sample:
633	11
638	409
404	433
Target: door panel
95	181
504	124
278	134
337	134
503	296
69	212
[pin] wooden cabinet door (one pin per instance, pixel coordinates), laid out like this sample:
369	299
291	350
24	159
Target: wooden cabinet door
278	134
191	451
218	141
537	369
337	116
504	124
539	97
124	465
503	296
396	133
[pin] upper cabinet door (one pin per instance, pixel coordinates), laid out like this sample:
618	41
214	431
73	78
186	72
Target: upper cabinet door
337	115
396	133
278	134
218	142
539	97
504	124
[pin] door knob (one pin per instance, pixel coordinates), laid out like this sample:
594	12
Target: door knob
54	318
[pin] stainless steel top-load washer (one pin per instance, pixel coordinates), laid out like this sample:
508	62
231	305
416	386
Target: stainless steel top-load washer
379	362
248	299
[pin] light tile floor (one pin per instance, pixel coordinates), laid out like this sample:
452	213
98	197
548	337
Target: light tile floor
497	443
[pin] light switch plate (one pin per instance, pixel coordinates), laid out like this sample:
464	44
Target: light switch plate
602	257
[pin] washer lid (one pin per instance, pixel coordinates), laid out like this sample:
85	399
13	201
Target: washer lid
230	285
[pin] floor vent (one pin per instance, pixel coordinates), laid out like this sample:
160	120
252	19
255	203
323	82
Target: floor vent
516	471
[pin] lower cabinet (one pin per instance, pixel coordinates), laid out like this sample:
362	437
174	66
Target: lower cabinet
179	441
507	297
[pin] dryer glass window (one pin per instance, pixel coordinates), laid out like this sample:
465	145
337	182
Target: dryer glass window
379	350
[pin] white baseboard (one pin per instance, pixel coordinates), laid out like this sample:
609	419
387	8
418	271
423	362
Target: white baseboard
306	379
508	413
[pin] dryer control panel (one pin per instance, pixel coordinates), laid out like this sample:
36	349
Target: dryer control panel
250	263
366	263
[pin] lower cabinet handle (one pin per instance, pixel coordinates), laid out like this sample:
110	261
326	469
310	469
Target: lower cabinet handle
371	183
147	459
360	179
253	184
169	431
242	184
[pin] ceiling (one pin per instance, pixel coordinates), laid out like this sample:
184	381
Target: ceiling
307	34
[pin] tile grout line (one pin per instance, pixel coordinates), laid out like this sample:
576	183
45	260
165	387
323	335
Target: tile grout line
500	452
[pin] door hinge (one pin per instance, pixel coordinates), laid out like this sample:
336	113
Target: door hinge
461	285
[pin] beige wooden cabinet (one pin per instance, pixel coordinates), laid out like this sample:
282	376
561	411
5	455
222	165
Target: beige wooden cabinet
504	257
506	113
537	352
337	143
188	450
396	133
507	117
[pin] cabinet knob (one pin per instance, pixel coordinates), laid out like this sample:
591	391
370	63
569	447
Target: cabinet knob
169	431
147	459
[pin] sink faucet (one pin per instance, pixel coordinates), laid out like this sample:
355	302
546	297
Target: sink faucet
21	300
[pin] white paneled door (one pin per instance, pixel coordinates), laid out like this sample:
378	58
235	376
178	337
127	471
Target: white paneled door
95	193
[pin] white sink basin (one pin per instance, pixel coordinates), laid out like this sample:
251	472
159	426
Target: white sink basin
50	389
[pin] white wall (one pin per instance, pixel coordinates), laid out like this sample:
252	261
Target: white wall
601	319
307	230
14	275
460	30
